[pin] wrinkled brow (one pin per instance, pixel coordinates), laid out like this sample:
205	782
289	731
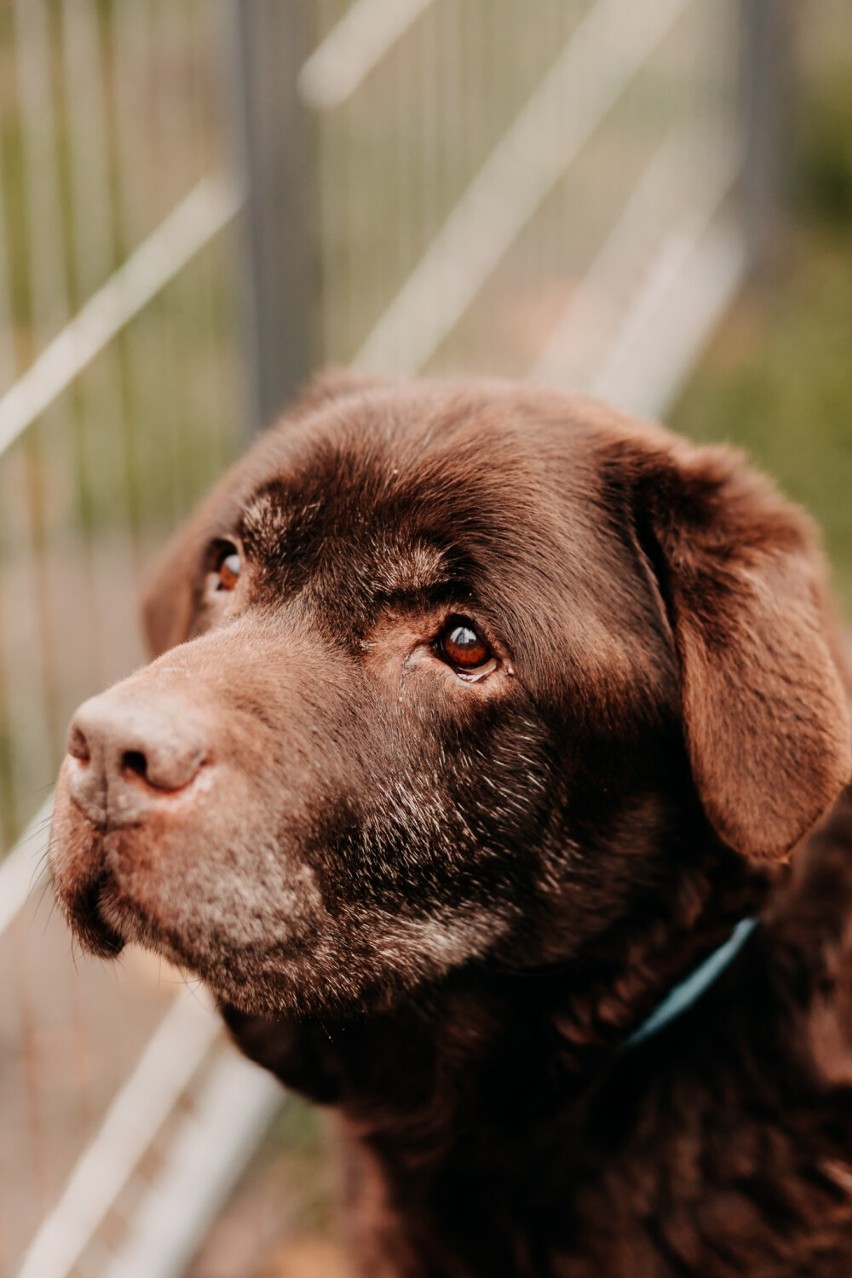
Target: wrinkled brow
411	569
265	519
392	563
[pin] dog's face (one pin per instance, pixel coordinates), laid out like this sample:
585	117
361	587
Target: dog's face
447	674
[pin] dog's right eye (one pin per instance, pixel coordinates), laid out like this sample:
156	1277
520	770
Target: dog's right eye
461	646
224	565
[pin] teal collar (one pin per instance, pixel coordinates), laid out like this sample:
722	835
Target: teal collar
690	990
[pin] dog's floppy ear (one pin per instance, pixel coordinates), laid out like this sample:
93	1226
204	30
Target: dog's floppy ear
739	574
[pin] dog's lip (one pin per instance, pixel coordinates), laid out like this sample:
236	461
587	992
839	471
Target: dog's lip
88	920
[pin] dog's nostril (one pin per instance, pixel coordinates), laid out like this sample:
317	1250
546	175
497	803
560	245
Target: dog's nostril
78	746
135	761
162	769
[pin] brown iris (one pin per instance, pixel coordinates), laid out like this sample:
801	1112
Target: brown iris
462	646
225	566
229	572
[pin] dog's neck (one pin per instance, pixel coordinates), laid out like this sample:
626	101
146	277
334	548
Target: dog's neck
637	976
500	1108
492	1027
508	1062
490	1060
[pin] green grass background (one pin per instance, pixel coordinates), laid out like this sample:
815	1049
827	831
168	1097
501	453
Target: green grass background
777	378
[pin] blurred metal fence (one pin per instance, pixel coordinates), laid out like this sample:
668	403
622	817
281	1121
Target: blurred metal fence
555	190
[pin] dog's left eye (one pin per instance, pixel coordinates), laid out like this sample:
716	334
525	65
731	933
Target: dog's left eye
462	646
224	566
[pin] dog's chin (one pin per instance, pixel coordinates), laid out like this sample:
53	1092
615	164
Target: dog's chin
104	922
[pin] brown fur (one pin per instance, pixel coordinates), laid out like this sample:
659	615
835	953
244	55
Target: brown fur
442	906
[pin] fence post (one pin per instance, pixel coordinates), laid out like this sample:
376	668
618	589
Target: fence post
768	81
270	40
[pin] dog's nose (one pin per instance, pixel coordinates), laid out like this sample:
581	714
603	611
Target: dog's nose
128	757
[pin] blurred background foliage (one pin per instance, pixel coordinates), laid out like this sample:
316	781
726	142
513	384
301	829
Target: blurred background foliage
777	378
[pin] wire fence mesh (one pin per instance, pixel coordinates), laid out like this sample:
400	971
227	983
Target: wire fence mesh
108	124
543	190
478	198
118	404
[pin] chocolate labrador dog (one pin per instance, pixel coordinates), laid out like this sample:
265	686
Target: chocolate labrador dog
483	719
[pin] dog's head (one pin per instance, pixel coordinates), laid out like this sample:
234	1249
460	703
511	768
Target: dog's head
447	673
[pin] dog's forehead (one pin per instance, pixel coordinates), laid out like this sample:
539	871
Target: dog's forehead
403	554
406	485
496	499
